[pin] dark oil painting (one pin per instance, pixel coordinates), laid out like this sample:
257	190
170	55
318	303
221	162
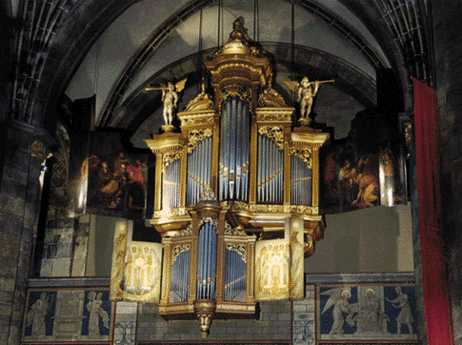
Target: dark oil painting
116	177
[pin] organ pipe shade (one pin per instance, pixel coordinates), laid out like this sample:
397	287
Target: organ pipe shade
199	174
206	263
170	185
235	275
300	181
179	284
270	171
234	150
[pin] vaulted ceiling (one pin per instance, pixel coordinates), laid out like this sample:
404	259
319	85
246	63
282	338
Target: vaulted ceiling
113	48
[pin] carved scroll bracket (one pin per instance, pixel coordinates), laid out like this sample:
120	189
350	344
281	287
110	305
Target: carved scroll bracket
275	133
304	153
196	136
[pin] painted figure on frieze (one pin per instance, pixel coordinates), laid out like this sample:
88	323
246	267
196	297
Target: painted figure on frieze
342	310
404	319
36	317
371	315
96	314
40	313
367	312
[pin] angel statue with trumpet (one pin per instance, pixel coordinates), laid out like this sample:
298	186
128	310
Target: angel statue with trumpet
305	90
169	99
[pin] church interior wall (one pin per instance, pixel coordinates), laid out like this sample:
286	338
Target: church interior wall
447	50
377	240
365	259
301	322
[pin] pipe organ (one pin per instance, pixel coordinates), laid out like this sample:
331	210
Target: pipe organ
237	173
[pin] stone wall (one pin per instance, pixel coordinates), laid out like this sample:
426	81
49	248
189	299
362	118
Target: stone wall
447	31
274	323
349	242
19	193
307	321
368	315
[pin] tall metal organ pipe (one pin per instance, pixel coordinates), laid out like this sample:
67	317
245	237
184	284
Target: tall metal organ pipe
206	265
300	181
269	171
234	150
179	282
199	165
235	276
170	185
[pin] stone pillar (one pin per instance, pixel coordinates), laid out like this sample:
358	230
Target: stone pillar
447	33
125	323
19	203
303	318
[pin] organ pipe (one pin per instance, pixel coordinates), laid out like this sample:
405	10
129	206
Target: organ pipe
234	150
179	284
270	170
300	181
206	262
170	185
199	166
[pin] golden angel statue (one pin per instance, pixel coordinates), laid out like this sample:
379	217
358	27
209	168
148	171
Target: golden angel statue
169	99
306	90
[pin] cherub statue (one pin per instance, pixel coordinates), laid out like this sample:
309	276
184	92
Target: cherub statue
170	100
306	90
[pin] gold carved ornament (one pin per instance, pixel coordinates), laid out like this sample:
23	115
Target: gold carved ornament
224	171
303	153
271	98
169	157
276	134
229	230
208	220
177	250
118	261
201	101
239	248
243	93
273	208
196	136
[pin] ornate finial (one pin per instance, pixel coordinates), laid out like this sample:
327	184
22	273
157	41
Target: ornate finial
239	31
202	101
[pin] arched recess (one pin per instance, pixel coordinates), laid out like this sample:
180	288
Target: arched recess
140	104
119	90
83	24
373	18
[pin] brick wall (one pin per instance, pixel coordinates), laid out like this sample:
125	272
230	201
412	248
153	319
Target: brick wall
274	322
